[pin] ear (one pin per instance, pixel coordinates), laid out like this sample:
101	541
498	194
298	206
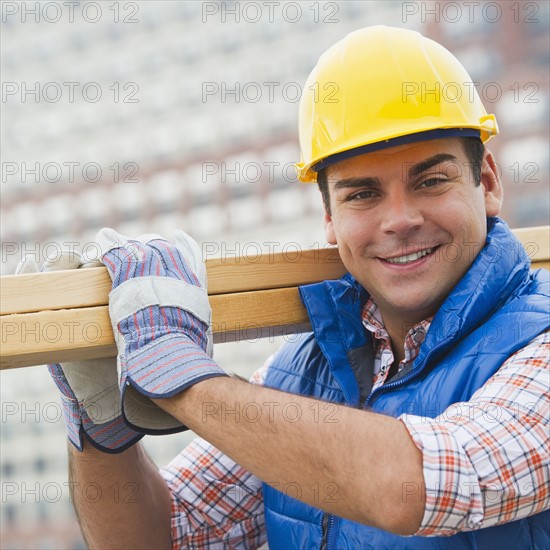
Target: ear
492	185
329	227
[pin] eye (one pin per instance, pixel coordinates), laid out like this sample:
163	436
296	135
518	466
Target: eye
433	182
362	195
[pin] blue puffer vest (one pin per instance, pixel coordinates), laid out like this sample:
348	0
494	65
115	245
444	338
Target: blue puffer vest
496	309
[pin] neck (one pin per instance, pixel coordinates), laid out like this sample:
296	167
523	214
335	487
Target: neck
397	330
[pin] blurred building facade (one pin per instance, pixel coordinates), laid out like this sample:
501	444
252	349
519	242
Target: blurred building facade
164	115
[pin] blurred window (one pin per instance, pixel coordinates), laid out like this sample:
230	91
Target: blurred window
94	205
208	221
166	188
10	514
39	465
203	179
526	105
245	213
7	467
128	197
57	212
286	205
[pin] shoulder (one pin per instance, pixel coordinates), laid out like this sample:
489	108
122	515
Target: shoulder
296	346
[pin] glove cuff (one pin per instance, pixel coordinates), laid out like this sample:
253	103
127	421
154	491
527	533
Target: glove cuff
167	366
112	437
162	369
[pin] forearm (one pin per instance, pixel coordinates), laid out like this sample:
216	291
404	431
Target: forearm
362	460
120	499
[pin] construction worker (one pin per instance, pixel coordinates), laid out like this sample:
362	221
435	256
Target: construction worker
414	415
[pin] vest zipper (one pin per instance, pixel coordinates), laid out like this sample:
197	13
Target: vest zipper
405	379
328	519
326	526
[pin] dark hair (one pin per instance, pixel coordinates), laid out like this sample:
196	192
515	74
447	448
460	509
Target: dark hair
473	147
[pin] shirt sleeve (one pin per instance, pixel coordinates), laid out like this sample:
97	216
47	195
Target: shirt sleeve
216	504
487	461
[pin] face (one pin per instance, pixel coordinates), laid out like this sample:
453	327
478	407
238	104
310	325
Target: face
409	221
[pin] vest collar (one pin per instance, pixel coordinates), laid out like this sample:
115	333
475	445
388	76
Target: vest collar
334	307
494	275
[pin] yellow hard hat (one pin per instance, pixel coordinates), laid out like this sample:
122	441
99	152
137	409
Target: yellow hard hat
380	84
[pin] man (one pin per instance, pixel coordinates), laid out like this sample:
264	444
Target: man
419	401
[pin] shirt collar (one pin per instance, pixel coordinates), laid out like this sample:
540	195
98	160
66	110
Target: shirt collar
372	321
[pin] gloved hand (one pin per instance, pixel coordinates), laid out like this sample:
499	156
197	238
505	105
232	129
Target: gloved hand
161	320
89	389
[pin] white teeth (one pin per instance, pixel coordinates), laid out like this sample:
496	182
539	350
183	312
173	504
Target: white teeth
410	257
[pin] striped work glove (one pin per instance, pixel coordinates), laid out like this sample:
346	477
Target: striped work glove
89	389
161	320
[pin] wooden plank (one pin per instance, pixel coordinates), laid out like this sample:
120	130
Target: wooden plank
55	336
253	315
85	333
275	270
33	292
90	287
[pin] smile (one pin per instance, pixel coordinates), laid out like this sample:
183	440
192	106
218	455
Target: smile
410	257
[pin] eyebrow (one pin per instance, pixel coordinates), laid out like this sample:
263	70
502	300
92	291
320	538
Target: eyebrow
426	164
356	182
412	171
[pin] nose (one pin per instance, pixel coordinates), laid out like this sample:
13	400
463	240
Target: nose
401	215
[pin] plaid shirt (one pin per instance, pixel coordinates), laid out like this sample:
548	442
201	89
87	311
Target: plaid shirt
383	353
482	468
